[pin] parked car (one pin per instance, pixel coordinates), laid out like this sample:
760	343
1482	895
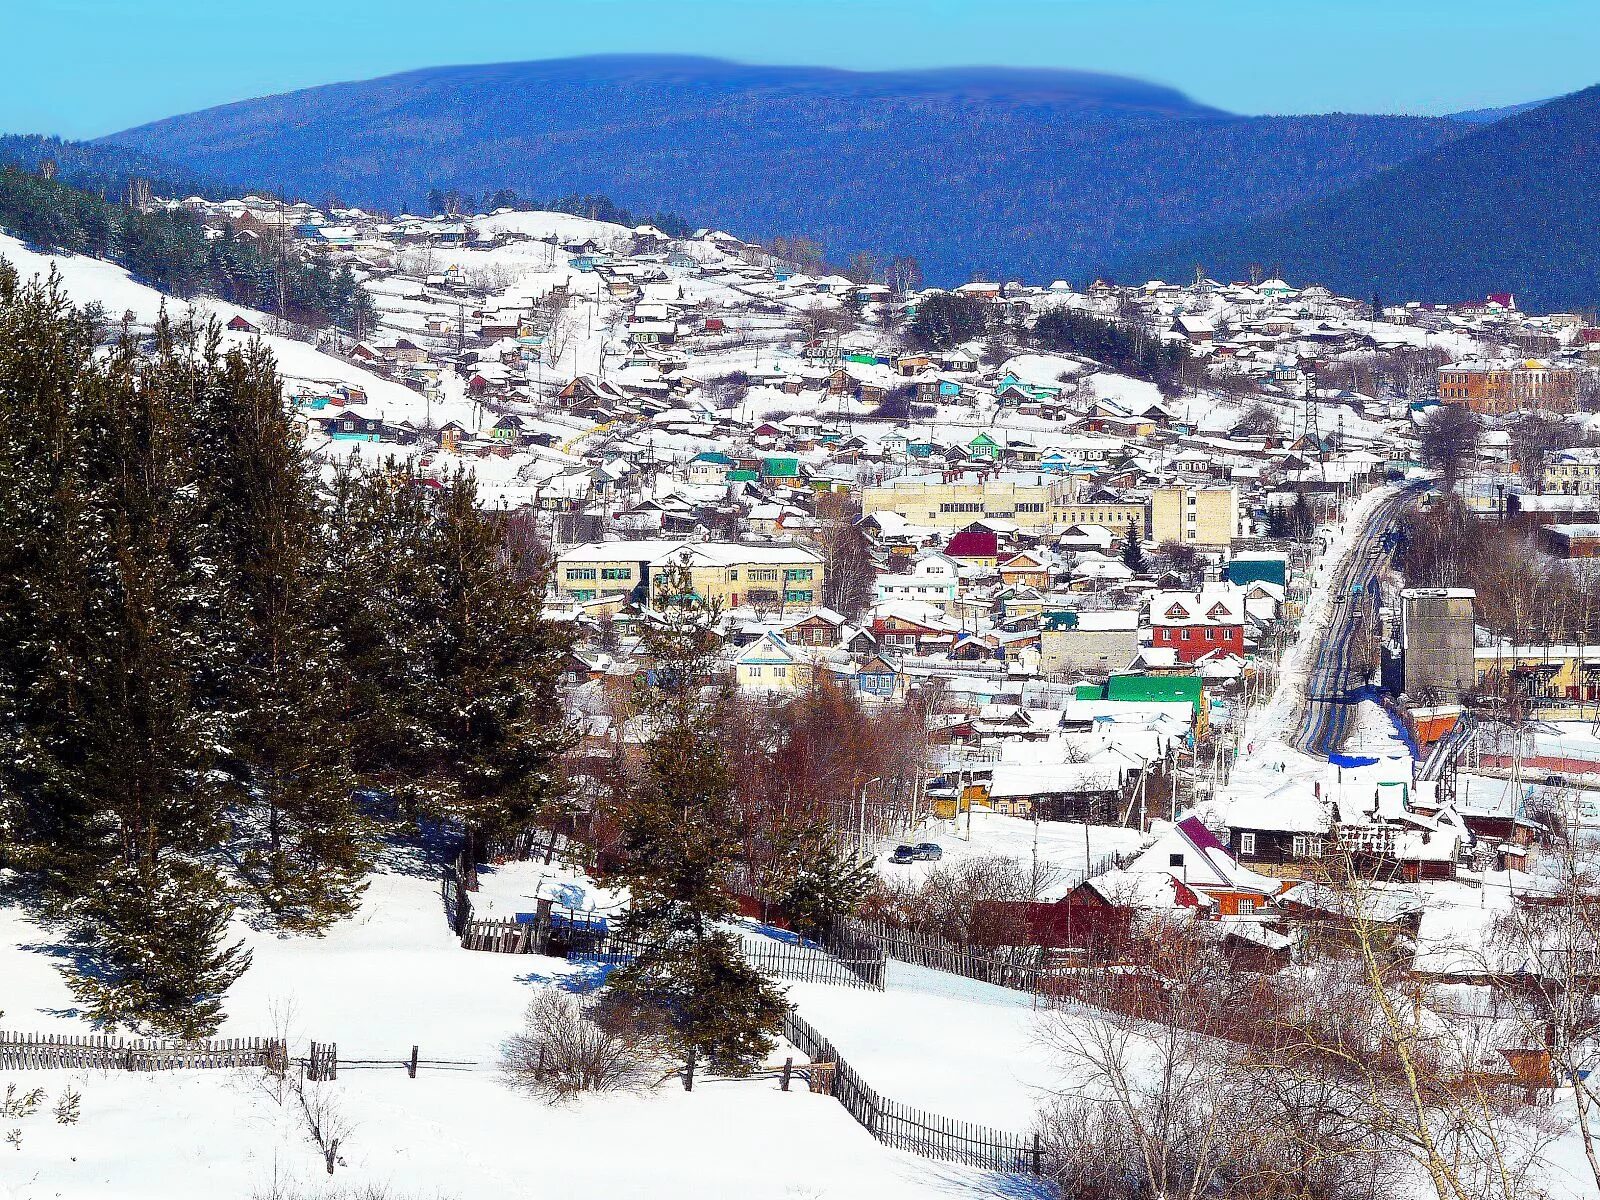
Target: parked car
921	852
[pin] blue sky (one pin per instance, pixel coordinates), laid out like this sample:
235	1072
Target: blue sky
86	67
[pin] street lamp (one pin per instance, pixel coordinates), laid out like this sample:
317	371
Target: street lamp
861	818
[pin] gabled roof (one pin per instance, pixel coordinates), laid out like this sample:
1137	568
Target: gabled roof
769	648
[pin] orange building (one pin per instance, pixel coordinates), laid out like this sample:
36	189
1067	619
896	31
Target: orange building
1498	386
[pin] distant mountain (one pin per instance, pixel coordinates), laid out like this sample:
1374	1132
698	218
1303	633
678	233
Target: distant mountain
1510	207
1488	116
1016	173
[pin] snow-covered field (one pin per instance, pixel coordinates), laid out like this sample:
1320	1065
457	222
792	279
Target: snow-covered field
393	976
460	1134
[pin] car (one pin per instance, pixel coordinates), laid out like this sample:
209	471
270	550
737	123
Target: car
929	851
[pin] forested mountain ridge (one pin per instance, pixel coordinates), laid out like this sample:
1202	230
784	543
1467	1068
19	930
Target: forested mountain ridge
1507	208
977	170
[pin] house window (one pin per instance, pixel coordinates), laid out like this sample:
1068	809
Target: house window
616	573
1175	860
1183	635
1300	845
581	572
1247	843
755	672
1247	906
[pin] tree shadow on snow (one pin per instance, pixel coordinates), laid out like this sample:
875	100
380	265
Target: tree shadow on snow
591	977
955	1181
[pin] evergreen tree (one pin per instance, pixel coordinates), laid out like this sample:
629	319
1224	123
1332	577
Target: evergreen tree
299	836
487	705
1301	523
46	808
1132	551
678	840
823	884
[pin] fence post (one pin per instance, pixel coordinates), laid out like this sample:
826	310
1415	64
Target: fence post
688	1072
411	1067
541	926
788	1070
1038	1155
333	1060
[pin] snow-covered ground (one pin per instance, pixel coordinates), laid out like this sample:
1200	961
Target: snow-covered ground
92	280
393	976
1373	731
460	1135
939	1042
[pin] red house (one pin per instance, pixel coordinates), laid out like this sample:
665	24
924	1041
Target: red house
1194	624
975	545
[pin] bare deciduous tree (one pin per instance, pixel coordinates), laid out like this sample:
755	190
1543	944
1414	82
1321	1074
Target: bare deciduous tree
570	1045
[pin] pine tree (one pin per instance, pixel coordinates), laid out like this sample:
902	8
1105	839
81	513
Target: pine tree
1132	551
45	347
679	838
150	916
109	749
300	839
822	883
488	698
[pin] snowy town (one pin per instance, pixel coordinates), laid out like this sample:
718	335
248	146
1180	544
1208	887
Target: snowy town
1157	660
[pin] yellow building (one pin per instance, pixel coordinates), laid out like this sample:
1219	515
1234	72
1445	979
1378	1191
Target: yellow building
1115	515
1026	497
765	576
1547	675
1199	516
1574	472
769	575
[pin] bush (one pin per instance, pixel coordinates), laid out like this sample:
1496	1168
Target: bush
572	1044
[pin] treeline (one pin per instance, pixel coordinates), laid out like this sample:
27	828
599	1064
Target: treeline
221	675
595	207
172	252
1522	593
106	168
949	319
1126	348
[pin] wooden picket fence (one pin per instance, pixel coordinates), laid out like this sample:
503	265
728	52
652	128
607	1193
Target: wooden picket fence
95	1052
1019	967
912	1129
794	962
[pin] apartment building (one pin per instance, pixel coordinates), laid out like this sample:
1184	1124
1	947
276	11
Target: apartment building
954	500
1198	516
1113	514
729	574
